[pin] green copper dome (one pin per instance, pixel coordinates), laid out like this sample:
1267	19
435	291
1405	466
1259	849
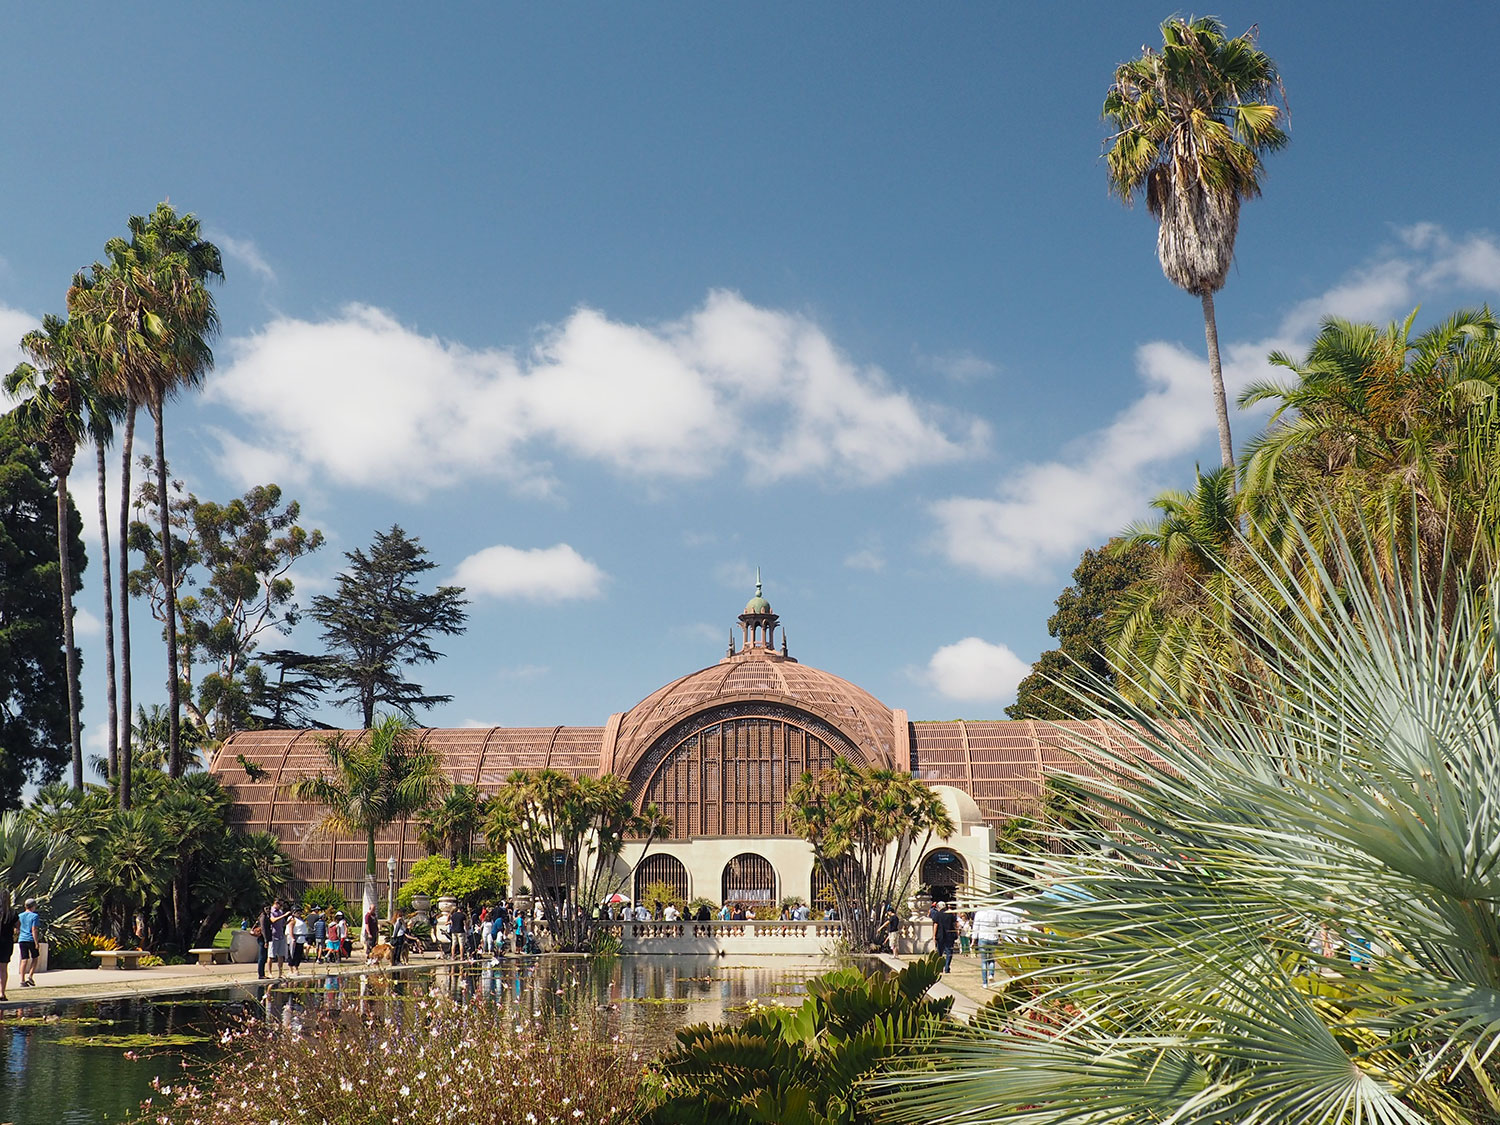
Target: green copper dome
757	604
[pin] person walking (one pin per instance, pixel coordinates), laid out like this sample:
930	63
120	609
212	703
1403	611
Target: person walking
319	934
370	930
985	931
398	937
457	928
28	934
9	920
945	933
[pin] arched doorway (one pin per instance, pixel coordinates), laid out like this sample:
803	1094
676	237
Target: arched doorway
664	869
943	873
749	879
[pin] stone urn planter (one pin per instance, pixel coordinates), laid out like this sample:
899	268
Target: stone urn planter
446	904
421	907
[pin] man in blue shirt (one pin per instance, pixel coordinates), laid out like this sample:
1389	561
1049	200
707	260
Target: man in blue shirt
28	933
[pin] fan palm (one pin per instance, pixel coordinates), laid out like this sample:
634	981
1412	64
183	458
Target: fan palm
47	866
1297	917
149	318
1193	122
53	388
376	778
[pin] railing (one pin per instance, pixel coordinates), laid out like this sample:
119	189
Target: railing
821	930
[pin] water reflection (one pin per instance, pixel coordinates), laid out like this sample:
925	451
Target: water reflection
644	1000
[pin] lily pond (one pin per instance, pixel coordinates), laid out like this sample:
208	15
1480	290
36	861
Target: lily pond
94	1061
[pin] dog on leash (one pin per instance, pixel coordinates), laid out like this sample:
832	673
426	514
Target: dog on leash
379	954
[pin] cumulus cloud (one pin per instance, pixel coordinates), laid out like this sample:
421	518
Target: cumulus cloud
976	671
1045	513
371	402
540	574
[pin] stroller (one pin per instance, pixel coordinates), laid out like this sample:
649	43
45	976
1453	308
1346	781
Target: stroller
531	946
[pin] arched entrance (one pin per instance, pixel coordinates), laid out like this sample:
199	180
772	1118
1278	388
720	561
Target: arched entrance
663	869
943	873
749	879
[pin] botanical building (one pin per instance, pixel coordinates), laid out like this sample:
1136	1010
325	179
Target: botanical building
716	750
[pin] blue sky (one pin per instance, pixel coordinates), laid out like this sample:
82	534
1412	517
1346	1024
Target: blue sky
610	304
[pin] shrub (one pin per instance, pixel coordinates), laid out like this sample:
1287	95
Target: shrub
663	895
713	907
442	1057
323	896
78	953
484	878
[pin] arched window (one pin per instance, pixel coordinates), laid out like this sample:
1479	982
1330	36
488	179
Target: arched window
943	872
661	869
749	879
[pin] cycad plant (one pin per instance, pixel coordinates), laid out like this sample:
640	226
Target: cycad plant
802	1065
1297	915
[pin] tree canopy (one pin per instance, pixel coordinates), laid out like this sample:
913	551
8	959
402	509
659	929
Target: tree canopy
378	622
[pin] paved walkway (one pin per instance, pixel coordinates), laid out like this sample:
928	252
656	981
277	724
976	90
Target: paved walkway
67	985
962	983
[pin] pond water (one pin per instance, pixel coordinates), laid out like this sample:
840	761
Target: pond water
77	1064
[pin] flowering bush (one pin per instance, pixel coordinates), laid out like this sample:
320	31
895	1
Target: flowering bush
433	1061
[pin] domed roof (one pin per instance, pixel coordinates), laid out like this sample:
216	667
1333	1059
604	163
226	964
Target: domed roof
759	674
757	604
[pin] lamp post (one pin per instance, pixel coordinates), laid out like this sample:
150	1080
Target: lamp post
390	887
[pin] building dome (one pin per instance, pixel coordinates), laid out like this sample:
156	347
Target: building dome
759	679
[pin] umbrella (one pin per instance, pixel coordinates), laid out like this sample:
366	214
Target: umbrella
615	899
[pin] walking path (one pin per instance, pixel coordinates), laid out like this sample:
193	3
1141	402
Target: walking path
961	983
67	985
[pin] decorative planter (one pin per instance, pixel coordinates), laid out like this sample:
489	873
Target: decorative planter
446	904
421	906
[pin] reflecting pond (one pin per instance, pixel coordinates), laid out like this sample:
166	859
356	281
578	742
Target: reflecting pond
93	1061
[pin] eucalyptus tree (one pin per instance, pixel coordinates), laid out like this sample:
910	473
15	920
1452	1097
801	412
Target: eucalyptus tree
149	319
1193	122
1296	916
52	414
375	778
868	828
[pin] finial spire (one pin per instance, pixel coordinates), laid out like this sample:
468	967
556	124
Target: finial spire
757	583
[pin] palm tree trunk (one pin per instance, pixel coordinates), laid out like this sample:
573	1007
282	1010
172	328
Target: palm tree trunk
65	569
109	620
1216	374
164	506
368	900
128	445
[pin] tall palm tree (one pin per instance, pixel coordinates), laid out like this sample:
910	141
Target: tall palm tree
150	318
103	410
1192	122
52	414
376	778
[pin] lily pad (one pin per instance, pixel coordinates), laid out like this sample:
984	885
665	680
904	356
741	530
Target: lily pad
131	1042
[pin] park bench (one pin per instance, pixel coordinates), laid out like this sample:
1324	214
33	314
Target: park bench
214	956
119	958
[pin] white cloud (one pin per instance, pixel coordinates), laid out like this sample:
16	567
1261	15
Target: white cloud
1044	514
246	253
541	574
869	557
961	366
85	624
13	325
372	403
977	671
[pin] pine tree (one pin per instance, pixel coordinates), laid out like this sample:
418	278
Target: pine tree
379	622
